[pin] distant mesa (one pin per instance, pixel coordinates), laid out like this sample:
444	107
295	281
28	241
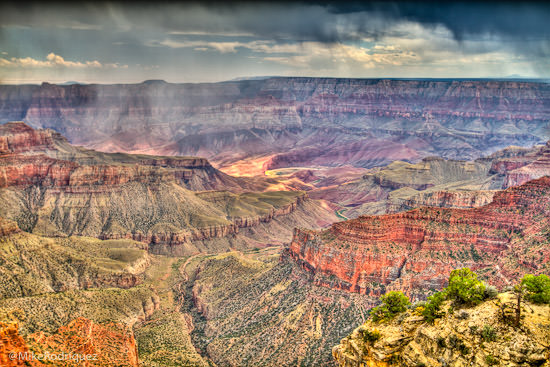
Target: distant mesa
154	82
72	82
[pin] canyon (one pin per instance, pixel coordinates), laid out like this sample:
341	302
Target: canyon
256	222
179	205
294	121
261	308
414	251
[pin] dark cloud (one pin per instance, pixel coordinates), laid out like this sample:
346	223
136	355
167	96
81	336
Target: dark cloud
319	21
125	33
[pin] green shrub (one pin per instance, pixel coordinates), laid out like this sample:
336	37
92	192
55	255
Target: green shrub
537	288
464	288
453	341
491	360
488	334
432	309
370	336
393	303
490	292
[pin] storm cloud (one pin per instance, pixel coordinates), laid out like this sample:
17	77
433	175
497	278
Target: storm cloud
378	38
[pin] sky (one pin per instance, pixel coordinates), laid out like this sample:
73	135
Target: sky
111	42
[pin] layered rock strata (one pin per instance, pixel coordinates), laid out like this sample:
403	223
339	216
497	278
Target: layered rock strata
414	251
52	188
295	117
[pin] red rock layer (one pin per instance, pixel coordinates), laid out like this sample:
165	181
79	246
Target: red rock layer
415	251
105	345
13	348
30	157
17	137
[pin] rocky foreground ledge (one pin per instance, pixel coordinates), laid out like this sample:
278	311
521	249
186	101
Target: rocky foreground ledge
472	337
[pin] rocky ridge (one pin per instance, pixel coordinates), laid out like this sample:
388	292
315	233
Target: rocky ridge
52	188
415	250
294	117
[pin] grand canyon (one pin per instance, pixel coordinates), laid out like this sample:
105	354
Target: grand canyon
257	222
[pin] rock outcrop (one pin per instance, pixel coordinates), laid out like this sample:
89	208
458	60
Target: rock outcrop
447	199
414	251
8	227
81	342
45	158
523	166
477	336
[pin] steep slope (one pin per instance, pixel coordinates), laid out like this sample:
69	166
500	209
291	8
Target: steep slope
31	265
521	165
67	295
415	250
457	339
252	310
231	121
52	188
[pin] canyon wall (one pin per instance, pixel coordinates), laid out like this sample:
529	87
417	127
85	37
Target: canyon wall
414	251
297	117
52	188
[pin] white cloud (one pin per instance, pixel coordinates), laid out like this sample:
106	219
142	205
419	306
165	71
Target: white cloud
54	61
222	47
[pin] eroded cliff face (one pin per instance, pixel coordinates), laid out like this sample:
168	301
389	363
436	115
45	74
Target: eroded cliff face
45	158
447	199
52	188
252	310
414	251
294	117
523	166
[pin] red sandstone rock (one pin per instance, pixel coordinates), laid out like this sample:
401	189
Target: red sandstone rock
415	251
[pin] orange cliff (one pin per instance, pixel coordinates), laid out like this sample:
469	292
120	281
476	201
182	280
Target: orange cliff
104	345
414	251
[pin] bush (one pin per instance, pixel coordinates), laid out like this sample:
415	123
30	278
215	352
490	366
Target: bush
537	288
463	315
432	309
491	360
393	303
453	341
488	334
370	336
464	287
490	292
